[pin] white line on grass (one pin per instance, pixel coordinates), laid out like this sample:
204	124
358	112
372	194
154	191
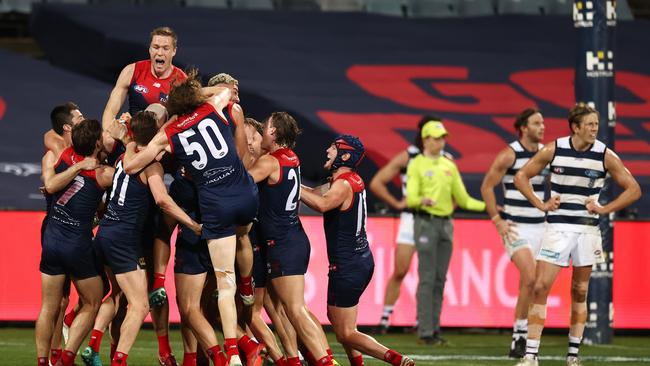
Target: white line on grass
500	358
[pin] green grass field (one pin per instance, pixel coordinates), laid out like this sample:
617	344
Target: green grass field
17	349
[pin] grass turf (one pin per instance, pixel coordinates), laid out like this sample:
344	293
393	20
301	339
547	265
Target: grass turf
17	349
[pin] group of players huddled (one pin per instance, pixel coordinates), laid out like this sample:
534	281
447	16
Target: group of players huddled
234	198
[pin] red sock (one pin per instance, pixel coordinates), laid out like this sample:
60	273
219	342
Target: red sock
230	346
95	340
113	350
42	361
69	317
293	361
310	358
189	359
246	285
324	361
217	356
55	355
356	361
247	344
67	358
119	359
329	352
281	362
393	357
158	280
163	345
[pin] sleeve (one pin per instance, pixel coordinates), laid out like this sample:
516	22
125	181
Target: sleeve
413	192
460	194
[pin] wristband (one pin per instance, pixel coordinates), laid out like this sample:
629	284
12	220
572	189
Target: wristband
495	217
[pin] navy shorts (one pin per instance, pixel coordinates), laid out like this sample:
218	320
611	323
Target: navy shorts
259	257
76	258
224	208
120	256
289	255
192	257
347	282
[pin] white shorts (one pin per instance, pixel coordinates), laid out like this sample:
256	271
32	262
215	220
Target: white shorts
584	249
528	236
405	230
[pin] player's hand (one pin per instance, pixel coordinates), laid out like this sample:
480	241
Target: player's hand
552	204
428	202
117	130
593	207
507	229
401	205
89	163
125	118
197	229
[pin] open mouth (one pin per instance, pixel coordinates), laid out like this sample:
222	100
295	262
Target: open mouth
159	62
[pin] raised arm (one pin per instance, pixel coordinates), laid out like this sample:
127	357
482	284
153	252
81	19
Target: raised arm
154	174
220	97
240	133
622	177
54	142
535	165
118	95
158	144
379	183
330	200
498	169
54	182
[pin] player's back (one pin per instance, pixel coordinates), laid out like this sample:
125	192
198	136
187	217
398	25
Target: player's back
279	202
73	208
128	204
345	230
516	207
145	88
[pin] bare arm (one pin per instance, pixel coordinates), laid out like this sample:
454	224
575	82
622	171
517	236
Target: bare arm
622	177
118	95
54	142
498	169
263	168
154	174
158	144
338	192
241	142
55	182
531	169
220	98
379	183
104	175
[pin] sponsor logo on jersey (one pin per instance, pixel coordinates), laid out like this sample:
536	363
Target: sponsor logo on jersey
558	170
157	85
141	89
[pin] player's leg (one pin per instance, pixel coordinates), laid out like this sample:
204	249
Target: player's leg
134	287
222	254
284	329
190	345
160	259
579	286
51	295
344	322
244	257
524	260
321	333
90	292
443	250
402	264
290	292
105	315
56	348
261	330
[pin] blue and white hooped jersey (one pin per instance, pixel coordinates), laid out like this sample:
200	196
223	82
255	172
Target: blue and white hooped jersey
516	207
575	177
345	230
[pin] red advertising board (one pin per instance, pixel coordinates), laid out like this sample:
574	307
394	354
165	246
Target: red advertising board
480	292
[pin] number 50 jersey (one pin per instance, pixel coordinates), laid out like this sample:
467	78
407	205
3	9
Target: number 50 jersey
203	143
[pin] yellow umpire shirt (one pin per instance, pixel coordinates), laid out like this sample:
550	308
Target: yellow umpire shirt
439	180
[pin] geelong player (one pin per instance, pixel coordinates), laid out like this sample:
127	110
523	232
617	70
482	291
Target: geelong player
351	262
521	224
203	143
67	239
278	175
579	164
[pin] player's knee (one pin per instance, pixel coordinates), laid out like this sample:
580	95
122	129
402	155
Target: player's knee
226	283
343	335
579	291
400	273
540	288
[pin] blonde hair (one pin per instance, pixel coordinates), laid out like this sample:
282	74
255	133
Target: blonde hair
222	78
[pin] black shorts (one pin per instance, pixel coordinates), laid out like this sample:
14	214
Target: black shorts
120	256
288	255
192	257
73	257
347	282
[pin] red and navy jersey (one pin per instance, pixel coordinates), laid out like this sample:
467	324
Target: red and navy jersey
73	208
345	230
279	202
183	192
229	117
203	143
145	88
127	208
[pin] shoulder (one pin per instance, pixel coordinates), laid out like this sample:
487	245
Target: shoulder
287	157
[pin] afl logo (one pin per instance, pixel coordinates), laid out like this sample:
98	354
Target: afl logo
141	89
558	170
